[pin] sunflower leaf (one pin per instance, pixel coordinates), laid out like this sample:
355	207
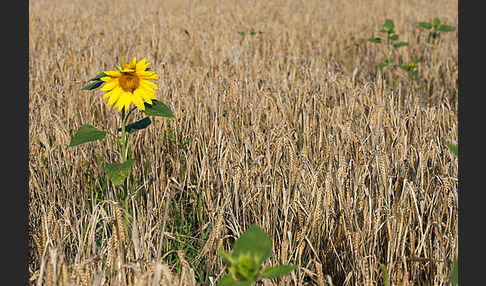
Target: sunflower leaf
446	28
226	256
158	109
118	172
374	40
93	85
425	25
401	44
98	76
228	281
255	241
277	271
139	125
86	133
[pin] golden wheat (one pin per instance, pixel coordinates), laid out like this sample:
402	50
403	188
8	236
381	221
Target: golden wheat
287	128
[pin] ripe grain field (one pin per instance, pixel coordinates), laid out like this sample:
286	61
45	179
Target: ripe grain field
286	128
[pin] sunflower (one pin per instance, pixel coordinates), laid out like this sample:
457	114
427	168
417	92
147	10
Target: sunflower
130	84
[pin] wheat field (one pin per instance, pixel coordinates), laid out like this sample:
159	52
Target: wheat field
293	128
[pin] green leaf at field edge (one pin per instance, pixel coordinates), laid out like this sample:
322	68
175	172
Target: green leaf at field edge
452	147
255	241
229	281
454	275
277	271
226	256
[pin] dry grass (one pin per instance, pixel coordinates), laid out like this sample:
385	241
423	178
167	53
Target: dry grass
286	129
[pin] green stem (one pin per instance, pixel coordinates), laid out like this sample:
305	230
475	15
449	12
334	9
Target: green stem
124	147
124	137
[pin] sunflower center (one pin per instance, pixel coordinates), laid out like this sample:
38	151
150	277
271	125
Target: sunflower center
129	81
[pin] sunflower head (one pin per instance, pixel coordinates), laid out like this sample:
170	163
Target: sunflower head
130	83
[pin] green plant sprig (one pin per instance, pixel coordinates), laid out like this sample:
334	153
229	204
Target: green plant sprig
391	42
250	250
435	27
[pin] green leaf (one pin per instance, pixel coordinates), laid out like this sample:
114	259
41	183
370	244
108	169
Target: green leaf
374	40
139	125
93	85
401	44
228	281
389	25
382	65
419	88
436	22
118	172
415	61
454	275
98	76
255	241
425	25
446	28
277	271
86	133
384	273
405	67
452	147
226	256
394	37
158	109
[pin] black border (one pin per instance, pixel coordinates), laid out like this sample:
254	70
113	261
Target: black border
15	142
470	193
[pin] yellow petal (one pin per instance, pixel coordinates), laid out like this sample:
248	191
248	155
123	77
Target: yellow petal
147	92
113	98
141	65
134	62
110	85
137	99
112	74
114	92
127	70
148	75
148	84
121	101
